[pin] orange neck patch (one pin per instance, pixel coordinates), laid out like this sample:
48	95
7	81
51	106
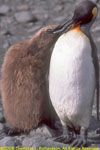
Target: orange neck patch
77	28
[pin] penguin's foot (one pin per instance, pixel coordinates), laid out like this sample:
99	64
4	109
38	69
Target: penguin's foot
12	131
79	142
81	139
64	138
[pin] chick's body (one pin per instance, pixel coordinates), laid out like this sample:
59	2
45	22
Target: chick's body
24	87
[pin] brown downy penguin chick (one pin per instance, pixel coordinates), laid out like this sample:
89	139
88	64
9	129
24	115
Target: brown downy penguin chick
23	85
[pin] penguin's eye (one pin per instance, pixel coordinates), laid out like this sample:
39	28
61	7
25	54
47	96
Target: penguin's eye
94	12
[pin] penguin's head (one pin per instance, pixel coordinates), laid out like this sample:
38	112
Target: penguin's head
85	13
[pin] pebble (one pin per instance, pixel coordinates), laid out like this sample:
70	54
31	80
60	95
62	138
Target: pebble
28	142
1	116
6	45
98	40
96	29
43	16
45	130
1	126
2	134
41	142
32	132
4	10
21	137
22	7
8	142
34	29
24	17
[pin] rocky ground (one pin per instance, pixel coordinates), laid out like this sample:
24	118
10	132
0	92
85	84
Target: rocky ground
19	20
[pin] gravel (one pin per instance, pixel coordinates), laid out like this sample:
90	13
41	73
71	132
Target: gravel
8	142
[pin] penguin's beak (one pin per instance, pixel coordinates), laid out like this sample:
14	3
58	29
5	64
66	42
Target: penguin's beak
65	27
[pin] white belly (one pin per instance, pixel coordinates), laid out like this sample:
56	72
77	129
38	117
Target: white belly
72	79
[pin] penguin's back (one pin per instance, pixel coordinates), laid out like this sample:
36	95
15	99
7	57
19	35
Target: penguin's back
72	78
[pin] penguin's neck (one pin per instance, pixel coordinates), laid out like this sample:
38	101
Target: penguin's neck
77	28
86	29
83	29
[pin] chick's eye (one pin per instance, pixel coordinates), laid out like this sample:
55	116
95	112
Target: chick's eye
94	12
49	30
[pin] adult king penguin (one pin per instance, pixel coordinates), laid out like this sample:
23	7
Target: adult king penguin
74	73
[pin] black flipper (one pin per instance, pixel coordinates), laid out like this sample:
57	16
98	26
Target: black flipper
96	66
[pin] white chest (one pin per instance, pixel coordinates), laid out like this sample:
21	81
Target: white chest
72	76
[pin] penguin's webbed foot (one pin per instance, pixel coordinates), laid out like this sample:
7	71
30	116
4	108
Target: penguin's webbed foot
64	138
79	142
81	139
